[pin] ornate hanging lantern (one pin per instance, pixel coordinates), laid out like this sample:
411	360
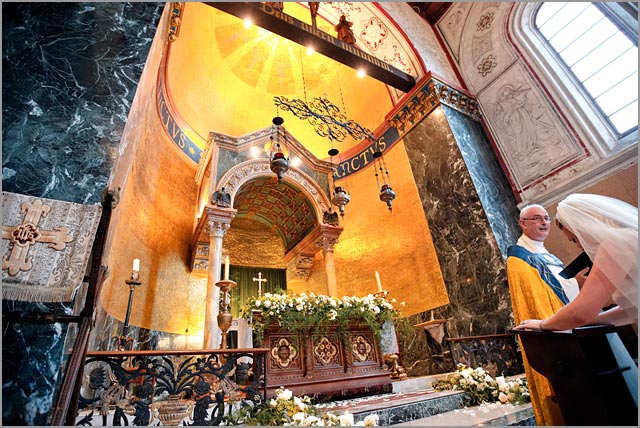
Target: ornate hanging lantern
340	199
279	162
387	195
340	196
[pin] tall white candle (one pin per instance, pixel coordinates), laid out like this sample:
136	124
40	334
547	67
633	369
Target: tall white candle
136	265
378	281
226	267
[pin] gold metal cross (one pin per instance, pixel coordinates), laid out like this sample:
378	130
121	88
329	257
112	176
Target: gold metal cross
24	235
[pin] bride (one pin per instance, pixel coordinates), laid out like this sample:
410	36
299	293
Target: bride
607	230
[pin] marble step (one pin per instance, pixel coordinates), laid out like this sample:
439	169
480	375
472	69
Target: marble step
414	403
493	414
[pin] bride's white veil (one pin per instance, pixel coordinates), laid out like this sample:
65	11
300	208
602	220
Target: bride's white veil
598	220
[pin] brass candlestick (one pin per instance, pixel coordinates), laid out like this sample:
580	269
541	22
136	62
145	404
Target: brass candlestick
132	282
381	293
224	316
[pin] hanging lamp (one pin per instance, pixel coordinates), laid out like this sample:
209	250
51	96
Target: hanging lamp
340	197
387	195
278	161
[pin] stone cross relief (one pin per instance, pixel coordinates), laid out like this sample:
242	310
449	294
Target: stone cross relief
24	235
260	280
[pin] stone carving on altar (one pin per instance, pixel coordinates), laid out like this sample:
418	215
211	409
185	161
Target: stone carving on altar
284	353
361	348
325	351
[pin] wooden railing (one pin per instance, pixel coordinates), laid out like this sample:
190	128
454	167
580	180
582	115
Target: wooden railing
169	387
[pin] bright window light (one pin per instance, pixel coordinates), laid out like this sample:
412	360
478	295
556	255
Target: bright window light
602	59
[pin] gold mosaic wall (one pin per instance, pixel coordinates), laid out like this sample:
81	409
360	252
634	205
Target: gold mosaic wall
160	202
397	244
251	243
153	221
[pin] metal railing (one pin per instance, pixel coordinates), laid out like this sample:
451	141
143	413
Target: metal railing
169	387
499	354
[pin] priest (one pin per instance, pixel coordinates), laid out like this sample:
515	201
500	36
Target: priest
537	292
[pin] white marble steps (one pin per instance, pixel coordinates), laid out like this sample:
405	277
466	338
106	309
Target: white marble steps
493	414
414	403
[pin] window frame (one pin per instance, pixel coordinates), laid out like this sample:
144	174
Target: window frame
607	11
569	95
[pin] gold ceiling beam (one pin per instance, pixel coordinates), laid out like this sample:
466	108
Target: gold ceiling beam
286	26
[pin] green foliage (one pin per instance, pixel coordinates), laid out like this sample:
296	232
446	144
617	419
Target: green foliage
481	387
286	409
303	313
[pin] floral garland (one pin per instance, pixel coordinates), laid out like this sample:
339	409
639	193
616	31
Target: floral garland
481	387
285	409
303	312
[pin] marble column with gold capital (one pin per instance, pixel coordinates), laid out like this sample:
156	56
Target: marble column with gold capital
328	238
218	222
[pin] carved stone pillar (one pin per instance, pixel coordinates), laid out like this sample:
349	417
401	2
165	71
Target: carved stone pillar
218	222
328	238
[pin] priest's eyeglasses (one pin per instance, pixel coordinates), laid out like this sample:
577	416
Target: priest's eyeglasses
539	218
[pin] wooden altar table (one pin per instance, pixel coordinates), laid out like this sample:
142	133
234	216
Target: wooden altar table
325	365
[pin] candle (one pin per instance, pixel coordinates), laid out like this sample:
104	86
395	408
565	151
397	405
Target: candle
136	265
226	267
378	281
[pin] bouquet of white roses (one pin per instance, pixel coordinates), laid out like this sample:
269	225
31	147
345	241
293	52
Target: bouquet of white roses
481	387
296	312
285	409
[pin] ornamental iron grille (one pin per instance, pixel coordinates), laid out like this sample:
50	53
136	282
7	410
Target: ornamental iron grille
169	387
325	117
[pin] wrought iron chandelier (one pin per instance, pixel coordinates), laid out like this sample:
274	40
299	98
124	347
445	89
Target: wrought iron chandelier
330	122
325	117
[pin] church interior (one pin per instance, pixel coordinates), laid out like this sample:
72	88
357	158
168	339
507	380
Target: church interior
287	155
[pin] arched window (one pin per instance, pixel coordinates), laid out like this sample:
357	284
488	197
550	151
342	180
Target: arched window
600	56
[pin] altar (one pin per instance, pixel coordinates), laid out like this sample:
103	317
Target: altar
322	346
330	364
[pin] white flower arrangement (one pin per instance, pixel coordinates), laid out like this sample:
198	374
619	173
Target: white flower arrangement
481	387
297	312
285	409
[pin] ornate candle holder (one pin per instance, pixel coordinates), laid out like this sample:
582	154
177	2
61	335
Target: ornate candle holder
381	293
123	340
224	316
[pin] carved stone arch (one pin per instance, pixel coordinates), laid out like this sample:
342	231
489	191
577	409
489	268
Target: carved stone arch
235	177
